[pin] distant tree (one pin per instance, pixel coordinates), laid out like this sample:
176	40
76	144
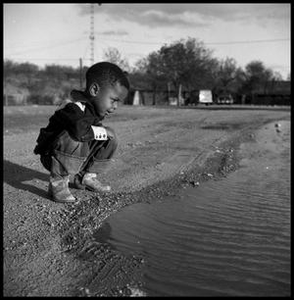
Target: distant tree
139	77
188	63
277	76
10	67
172	62
202	67
226	74
114	56
55	72
257	77
44	85
70	72
27	75
271	84
185	62
237	86
154	76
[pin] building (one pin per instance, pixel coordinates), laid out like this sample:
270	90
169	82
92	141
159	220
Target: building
275	93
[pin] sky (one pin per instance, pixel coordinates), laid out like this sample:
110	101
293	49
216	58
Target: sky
53	33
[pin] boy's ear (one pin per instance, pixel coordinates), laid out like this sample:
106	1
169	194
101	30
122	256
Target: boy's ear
94	89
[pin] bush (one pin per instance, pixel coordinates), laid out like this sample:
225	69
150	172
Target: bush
41	99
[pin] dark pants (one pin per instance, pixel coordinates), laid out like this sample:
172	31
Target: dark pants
73	157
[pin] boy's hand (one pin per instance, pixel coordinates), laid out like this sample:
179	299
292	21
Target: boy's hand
102	133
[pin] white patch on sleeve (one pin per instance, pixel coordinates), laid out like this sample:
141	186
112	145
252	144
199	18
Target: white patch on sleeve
100	133
80	105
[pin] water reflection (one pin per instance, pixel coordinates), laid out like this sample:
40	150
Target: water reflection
225	238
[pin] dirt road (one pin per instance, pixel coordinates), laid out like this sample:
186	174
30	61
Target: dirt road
49	248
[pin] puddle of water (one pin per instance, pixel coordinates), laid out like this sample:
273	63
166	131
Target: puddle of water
225	238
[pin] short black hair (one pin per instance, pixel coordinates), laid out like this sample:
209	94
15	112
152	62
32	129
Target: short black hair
106	73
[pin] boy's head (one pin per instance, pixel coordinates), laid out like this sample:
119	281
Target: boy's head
106	84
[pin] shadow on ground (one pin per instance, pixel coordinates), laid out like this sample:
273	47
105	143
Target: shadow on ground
17	176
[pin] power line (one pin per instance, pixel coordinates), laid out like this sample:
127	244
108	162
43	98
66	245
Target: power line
47	47
211	43
141	42
247	42
59	59
132	42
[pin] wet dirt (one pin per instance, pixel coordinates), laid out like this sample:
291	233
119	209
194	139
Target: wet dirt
49	249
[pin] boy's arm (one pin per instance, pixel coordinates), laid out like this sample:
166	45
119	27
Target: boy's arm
80	123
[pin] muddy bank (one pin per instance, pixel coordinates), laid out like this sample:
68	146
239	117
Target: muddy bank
49	249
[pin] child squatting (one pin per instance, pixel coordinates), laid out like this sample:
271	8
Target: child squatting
75	142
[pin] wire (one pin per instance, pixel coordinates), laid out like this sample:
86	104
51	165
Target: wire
141	42
247	42
47	47
132	42
211	43
60	59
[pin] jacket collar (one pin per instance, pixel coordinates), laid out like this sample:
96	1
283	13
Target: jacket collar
78	96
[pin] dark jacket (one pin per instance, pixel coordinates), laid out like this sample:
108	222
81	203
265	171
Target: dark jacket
75	116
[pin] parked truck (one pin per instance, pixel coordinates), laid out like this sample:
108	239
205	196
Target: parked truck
205	96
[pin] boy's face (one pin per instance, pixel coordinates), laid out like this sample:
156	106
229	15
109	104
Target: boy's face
107	98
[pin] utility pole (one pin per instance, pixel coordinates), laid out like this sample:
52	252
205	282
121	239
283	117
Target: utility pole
180	95
92	36
168	92
81	73
5	90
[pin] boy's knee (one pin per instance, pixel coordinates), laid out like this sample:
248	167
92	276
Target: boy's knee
111	132
113	142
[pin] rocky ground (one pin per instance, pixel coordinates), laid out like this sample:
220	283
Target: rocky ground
49	249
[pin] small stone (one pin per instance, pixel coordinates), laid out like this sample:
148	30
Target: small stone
194	183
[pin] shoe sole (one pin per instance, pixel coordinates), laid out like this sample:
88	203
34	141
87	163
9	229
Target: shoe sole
88	188
94	190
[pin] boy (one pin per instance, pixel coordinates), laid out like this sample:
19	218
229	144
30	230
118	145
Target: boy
75	141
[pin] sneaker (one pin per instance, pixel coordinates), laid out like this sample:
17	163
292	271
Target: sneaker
91	183
59	192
